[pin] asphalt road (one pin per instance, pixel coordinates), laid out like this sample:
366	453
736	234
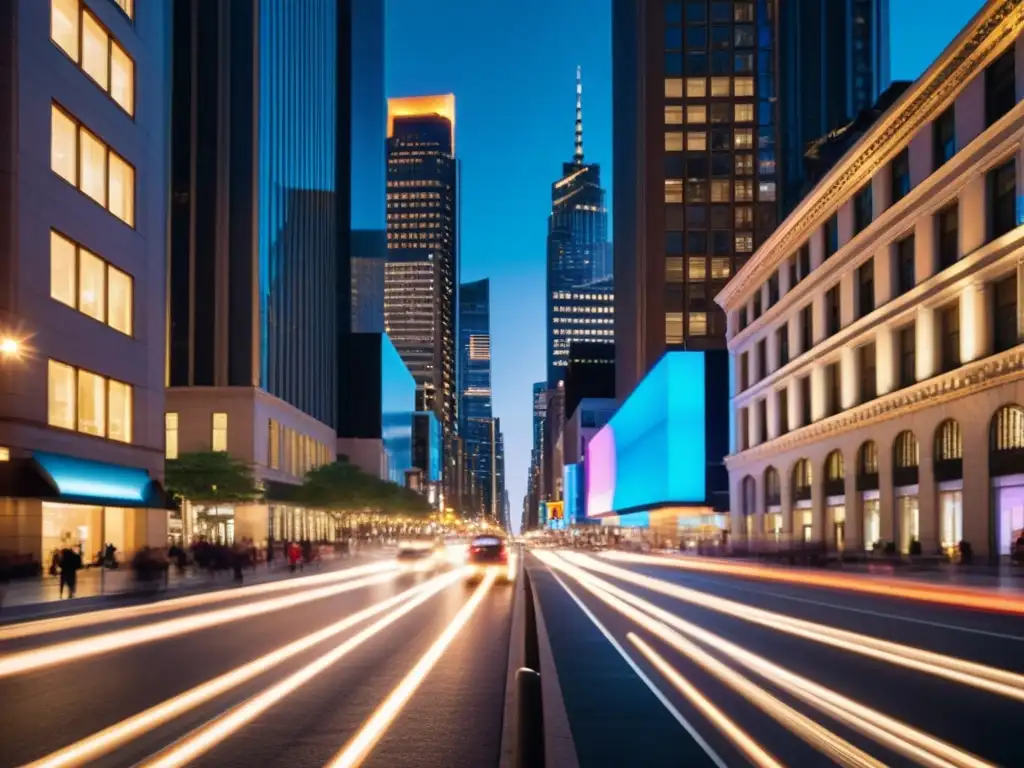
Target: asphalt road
454	718
617	719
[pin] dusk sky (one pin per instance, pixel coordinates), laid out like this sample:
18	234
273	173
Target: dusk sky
511	66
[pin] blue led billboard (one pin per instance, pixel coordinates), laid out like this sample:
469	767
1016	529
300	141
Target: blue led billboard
397	404
652	451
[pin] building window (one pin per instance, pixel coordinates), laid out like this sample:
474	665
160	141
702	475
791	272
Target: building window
696	87
673	328
674	269
782	402
171	435
720	268
766	191
88	402
744	371
219	438
1002	195
85	282
696	141
866	288
806	329
83	160
762	418
744	166
834	383
949	324
673	190
744	242
673	88
696	114
900	172
720	190
757	305
868	374
720	87
832	317
804	260
773	288
905	278
947	232
944	137
61	397
743	86
99	55
782	342
908	355
696	267
831	235
762	359
720	113
673	114
128	6
92	405
743	217
698	323
743	138
119	410
805	400
1000	86
1004	302
861	210
744	190
674	141
743	113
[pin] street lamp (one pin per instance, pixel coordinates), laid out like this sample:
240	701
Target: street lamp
10	347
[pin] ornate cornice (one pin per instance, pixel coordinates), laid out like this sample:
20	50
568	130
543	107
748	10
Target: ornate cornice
967	380
996	22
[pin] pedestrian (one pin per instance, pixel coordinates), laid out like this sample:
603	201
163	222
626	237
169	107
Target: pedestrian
70	562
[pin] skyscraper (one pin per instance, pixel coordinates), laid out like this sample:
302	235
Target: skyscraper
421	270
476	420
579	274
369	249
705	99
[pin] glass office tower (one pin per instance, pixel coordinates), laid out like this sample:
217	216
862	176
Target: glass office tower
476	421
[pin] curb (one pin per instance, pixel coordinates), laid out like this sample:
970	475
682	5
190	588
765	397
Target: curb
516	657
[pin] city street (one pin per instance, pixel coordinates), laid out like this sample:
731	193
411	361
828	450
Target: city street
300	672
721	672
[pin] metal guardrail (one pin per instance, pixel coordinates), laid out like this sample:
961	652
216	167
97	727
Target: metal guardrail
529	735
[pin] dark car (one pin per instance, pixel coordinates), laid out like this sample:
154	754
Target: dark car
490	553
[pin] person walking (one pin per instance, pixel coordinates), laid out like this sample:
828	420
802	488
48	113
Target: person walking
70	563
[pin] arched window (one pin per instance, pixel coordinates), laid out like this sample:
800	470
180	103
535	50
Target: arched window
867	466
749	491
949	451
772	488
906	455
1006	441
803	477
835	472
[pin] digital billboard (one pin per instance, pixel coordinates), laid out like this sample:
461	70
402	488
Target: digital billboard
652	451
398	401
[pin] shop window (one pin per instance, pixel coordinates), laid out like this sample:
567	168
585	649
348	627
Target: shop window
219	438
171	435
80	35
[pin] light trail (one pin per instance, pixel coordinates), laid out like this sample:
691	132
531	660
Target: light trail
991	679
213	733
360	745
961	597
898	736
109	739
107	615
754	752
75	650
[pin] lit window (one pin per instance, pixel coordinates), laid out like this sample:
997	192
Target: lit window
220	432
92	405
744	216
95	50
122	190
91	288
743	113
63	146
744	190
673	327
64	25
61	395
696	113
744	165
673	115
5	454
719	86
674	269
122	78
119	300
720	190
766	190
171	435
744	242
673	190
91	167
119	407
673	87
696	87
128	6
674	141
720	269
744	86
696	141
62	270
696	267
698	322
744	138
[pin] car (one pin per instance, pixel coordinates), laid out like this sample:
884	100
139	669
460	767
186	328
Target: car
487	553
417	554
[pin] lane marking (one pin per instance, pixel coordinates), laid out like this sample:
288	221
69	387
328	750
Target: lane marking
373	729
676	714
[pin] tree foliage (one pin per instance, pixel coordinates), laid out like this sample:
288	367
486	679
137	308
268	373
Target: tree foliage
210	478
343	487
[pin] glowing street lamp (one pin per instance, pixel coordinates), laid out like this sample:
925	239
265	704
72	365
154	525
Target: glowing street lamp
10	347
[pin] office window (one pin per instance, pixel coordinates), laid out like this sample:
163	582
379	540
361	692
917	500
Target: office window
63	259
743	217
92	404
782	400
698	322
87	42
119	408
744	371
899	170
905	275
95	47
128	6
720	86
868	373
673	87
908	355
743	86
674	141
831	235
64	146
219	440
944	138
832	316
743	138
949	326
673	114
92	286
744	190
866	288
804	260
743	113
862	209
806	329
947	235
696	114
85	282
805	400
122	78
696	267
766	191
744	242
120	300
61	395
834	383
64	20
92	167
122	190
696	87
674	269
744	165
720	269
762	359
673	190
673	327
696	141
1004	303
1000	86
1002	199
720	190
782	343
170	435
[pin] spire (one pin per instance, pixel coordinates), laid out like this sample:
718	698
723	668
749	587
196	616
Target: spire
578	156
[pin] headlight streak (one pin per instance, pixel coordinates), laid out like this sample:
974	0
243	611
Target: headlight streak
991	679
898	736
825	741
75	650
103	742
959	598
107	615
216	731
754	752
373	729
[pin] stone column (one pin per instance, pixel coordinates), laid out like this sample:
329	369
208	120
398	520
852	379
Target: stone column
853	539
975	322
819	395
884	285
818	503
754	417
926	361
817	243
772	404
886	496
795	404
925	257
927	498
978	494
885	360
847	299
973	215
850	371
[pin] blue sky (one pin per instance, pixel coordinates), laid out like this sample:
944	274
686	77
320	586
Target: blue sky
511	66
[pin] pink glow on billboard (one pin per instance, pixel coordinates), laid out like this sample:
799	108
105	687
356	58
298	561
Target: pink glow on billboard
600	463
